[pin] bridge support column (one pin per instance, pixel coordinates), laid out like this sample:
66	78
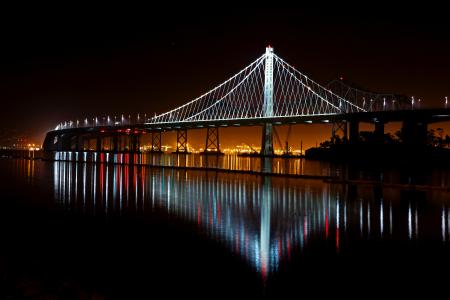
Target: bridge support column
267	132
379	132
182	141
353	132
339	130
98	146
212	141
123	143
414	133
80	143
65	144
73	143
135	143
156	142
267	140
115	142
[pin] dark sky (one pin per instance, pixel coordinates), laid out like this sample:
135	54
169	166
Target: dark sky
60	63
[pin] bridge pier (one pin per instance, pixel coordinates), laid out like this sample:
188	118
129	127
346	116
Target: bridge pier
115	141
182	141
73	142
123	143
339	130
267	140
379	132
353	132
414	132
212	141
135	143
80	143
98	145
156	142
65	140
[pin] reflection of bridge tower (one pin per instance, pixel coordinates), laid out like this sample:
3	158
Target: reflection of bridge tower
266	202
267	138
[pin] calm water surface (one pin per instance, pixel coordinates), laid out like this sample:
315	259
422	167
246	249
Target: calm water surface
116	230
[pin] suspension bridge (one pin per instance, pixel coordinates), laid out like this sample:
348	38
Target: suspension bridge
266	93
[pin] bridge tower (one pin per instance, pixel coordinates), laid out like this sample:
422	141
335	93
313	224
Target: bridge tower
267	132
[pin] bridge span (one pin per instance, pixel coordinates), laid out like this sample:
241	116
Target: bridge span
126	138
266	93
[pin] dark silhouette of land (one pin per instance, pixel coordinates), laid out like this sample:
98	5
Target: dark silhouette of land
392	149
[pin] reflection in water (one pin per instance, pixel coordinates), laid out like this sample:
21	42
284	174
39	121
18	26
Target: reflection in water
296	166
438	177
265	220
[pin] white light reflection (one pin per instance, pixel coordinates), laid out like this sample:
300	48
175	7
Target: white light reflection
381	217
390	218
416	220
368	219
238	211
409	221
443	231
361	220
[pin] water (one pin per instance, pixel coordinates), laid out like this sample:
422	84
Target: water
293	166
117	230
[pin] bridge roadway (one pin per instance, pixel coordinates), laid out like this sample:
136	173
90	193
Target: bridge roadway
414	128
423	115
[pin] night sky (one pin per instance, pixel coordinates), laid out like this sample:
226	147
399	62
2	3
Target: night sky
61	63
